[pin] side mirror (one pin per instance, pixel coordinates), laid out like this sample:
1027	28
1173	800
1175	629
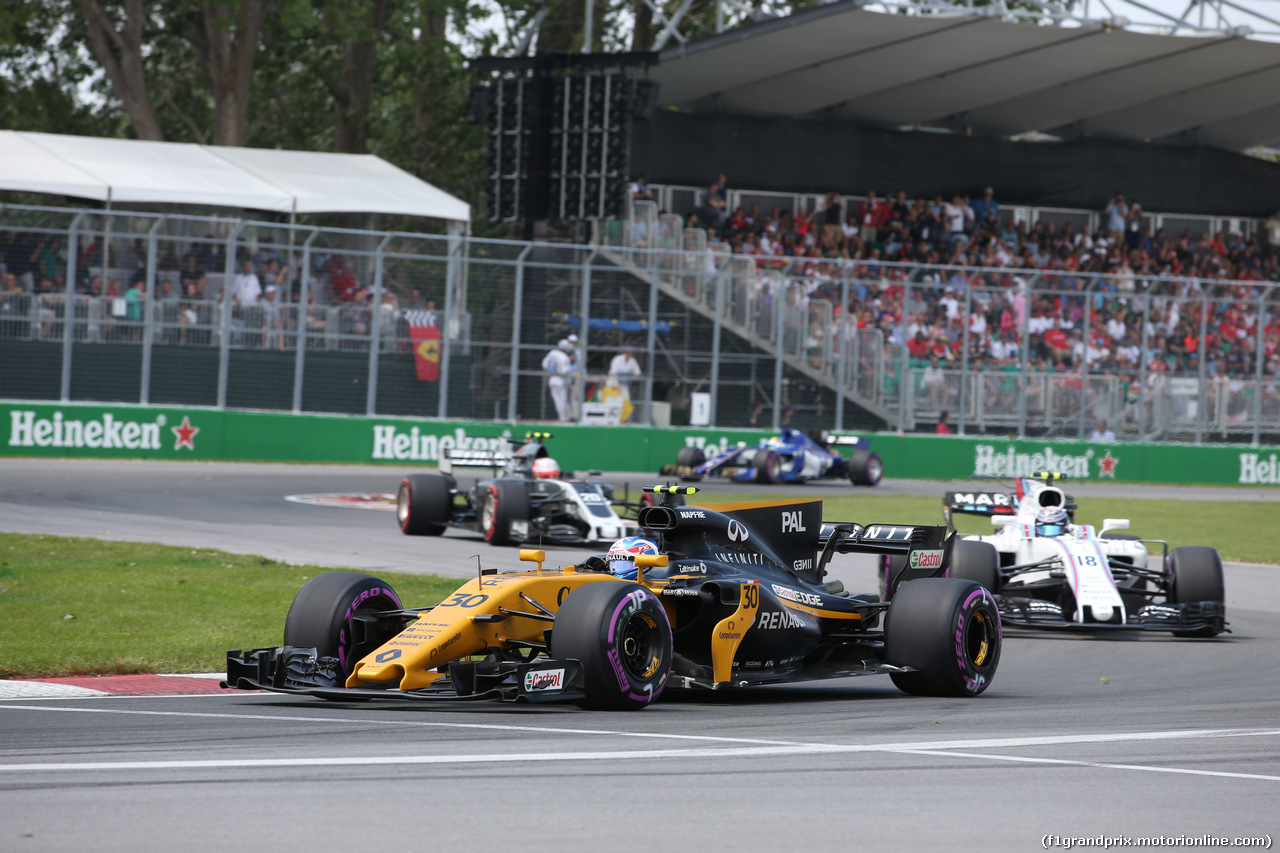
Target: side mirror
644	561
1114	524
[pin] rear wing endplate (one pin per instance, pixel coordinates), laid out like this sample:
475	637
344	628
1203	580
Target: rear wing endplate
451	459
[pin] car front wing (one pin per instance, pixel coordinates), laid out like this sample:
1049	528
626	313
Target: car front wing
1185	616
302	672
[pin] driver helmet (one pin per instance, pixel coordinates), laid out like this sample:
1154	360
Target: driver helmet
546	468
622	555
1052	521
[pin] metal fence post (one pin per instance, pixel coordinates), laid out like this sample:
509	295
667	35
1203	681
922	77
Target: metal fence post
715	339
580	387
964	350
375	330
1024	352
304	294
69	313
1143	374
1259	349
1203	357
224	353
148	314
904	359
517	318
651	339
779	331
455	289
1084	361
844	341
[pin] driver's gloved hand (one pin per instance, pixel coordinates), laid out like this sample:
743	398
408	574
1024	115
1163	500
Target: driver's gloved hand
593	564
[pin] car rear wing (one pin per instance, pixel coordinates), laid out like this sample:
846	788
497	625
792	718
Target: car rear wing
989	504
450	459
926	550
846	439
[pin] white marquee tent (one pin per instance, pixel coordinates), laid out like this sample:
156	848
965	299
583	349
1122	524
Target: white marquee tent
293	182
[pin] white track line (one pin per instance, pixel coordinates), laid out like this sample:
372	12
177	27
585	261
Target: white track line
1096	764
749	747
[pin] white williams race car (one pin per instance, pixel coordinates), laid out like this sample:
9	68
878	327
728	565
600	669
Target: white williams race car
1047	571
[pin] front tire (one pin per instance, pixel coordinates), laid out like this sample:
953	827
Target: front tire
976	561
770	470
327	612
865	468
948	630
1196	572
502	502
620	633
422	504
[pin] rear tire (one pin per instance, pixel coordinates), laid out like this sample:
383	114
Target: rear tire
422	504
976	561
503	502
948	630
690	457
620	633
324	616
1196	576
865	468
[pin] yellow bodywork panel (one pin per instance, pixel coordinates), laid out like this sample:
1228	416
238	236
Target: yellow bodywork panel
449	631
729	633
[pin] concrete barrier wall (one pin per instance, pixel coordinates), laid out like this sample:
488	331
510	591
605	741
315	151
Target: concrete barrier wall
159	432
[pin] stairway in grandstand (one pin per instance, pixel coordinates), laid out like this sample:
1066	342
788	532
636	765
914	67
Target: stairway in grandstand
684	278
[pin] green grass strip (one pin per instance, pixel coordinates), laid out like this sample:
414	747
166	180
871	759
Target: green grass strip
71	606
1243	531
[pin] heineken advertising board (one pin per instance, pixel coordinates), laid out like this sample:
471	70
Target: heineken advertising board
175	432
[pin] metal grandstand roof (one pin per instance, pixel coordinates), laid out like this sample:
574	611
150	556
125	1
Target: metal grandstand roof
977	73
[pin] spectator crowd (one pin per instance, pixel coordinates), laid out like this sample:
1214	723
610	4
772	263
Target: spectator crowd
1081	295
265	291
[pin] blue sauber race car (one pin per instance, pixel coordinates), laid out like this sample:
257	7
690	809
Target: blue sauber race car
789	457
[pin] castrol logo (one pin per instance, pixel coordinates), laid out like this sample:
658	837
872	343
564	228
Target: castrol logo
925	559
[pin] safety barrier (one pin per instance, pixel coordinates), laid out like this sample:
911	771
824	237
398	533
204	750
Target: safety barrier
145	432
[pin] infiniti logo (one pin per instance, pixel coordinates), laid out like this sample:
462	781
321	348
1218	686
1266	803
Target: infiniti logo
737	532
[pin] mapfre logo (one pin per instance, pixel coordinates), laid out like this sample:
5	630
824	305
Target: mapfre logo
543	679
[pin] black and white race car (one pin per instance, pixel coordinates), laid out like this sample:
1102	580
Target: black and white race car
528	500
1048	571
729	596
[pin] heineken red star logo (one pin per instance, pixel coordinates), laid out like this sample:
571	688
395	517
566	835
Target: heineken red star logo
186	434
1107	466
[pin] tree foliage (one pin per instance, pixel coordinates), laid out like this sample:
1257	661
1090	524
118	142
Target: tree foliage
386	77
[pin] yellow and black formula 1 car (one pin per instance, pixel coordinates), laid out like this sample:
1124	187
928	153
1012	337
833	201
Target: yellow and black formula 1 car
734	597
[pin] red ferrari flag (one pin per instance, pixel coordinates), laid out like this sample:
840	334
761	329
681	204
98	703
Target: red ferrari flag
426	344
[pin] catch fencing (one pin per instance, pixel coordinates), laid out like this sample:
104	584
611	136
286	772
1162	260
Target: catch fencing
769	341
